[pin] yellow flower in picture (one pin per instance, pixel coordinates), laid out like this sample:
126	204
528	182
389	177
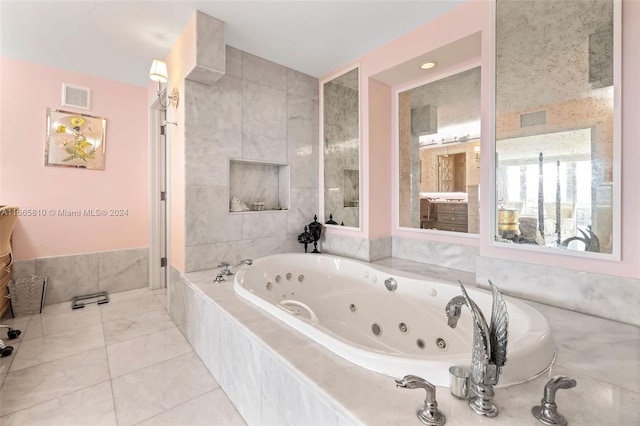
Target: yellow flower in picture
76	121
61	129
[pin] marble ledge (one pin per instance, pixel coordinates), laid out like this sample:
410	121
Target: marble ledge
608	390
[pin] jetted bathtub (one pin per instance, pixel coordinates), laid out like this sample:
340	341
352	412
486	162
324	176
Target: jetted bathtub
345	306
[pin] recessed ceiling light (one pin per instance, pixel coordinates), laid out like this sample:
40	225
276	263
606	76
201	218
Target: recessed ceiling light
428	65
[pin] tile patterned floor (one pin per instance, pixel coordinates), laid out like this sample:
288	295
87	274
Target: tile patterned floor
123	363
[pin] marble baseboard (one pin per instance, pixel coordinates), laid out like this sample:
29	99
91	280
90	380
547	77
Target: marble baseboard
75	275
442	254
380	248
454	256
341	245
357	248
605	296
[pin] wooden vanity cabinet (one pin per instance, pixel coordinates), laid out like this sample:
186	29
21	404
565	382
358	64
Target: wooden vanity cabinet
452	217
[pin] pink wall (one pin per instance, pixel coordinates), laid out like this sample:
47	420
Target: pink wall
379	184
467	19
28	89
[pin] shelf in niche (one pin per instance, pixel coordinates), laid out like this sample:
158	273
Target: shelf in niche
268	182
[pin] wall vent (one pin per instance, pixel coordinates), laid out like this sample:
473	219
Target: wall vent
75	96
529	119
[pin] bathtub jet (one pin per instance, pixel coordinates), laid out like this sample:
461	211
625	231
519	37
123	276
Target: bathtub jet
336	302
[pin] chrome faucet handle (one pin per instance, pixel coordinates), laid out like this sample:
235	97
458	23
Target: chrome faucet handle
547	412
226	270
429	414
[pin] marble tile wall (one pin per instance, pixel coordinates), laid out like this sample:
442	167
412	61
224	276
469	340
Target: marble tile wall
356	248
454	256
260	111
601	295
604	296
76	275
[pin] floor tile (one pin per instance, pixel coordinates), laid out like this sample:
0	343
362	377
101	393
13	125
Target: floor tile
65	308
30	386
20	323
90	406
130	307
47	324
57	346
121	329
140	352
161	295
5	362
210	409
153	390
128	295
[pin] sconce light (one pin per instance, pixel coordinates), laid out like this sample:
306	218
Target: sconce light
476	152
158	72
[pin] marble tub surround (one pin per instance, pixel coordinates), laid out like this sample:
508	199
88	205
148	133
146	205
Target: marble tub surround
264	112
147	375
421	270
355	247
279	364
605	296
207	256
79	274
454	256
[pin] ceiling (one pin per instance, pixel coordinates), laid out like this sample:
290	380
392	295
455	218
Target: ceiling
118	39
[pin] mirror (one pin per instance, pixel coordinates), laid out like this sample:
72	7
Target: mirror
555	122
341	135
439	154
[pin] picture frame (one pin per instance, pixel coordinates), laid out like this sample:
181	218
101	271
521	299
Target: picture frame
75	140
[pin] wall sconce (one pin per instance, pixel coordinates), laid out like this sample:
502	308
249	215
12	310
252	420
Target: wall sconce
158	72
476	152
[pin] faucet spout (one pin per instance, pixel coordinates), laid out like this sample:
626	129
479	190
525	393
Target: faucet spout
242	262
489	347
454	310
227	269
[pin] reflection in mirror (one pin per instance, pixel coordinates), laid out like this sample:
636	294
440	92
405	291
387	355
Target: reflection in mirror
554	124
342	149
439	154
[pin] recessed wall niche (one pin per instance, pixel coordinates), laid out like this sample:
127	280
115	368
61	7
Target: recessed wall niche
253	183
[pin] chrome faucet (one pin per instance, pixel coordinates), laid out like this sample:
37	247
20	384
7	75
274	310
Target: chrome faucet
428	414
489	352
227	269
547	411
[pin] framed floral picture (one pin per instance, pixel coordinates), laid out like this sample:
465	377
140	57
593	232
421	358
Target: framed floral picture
75	140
